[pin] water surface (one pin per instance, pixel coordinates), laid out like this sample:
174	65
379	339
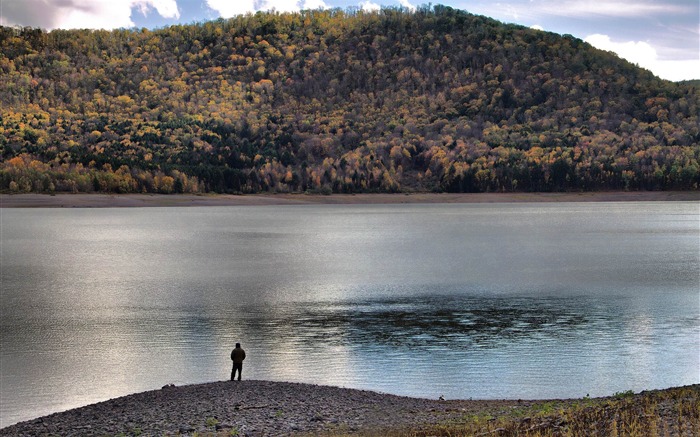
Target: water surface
463	300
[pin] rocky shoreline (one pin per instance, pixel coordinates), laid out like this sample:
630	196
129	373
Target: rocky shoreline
266	408
255	408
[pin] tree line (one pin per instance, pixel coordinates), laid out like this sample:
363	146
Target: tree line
345	101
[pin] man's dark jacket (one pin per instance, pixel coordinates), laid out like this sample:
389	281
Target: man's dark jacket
238	355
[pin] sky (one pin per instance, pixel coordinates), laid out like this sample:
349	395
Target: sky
660	35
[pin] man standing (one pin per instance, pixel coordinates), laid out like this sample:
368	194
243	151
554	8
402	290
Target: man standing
237	356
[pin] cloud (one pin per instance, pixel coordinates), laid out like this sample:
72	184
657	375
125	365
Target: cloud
620	8
71	14
536	27
369	6
229	8
687	69
638	52
407	4
315	4
644	55
547	11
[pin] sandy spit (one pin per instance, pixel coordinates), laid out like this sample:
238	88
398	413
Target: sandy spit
160	200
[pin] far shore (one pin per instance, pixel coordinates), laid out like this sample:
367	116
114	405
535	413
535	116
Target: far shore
94	200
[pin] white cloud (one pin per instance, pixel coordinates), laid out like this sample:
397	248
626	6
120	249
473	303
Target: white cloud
110	14
369	6
687	69
165	8
638	52
315	4
536	27
619	8
229	8
71	14
643	54
547	11
407	4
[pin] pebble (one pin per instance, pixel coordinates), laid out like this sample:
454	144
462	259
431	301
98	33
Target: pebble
255	408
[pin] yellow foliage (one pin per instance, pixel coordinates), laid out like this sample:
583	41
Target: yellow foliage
125	100
16	162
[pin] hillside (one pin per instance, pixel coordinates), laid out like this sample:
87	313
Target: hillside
694	82
337	101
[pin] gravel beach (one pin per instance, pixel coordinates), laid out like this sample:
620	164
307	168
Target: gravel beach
266	408
256	408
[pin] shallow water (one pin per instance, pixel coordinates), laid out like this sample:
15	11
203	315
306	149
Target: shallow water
465	301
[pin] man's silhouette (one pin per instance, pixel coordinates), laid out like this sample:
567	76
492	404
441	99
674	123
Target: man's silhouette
237	356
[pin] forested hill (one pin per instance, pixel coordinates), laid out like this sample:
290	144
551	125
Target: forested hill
337	101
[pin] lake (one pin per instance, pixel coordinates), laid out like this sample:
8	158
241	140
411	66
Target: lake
483	301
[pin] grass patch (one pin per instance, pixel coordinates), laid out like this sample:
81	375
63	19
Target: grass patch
672	412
